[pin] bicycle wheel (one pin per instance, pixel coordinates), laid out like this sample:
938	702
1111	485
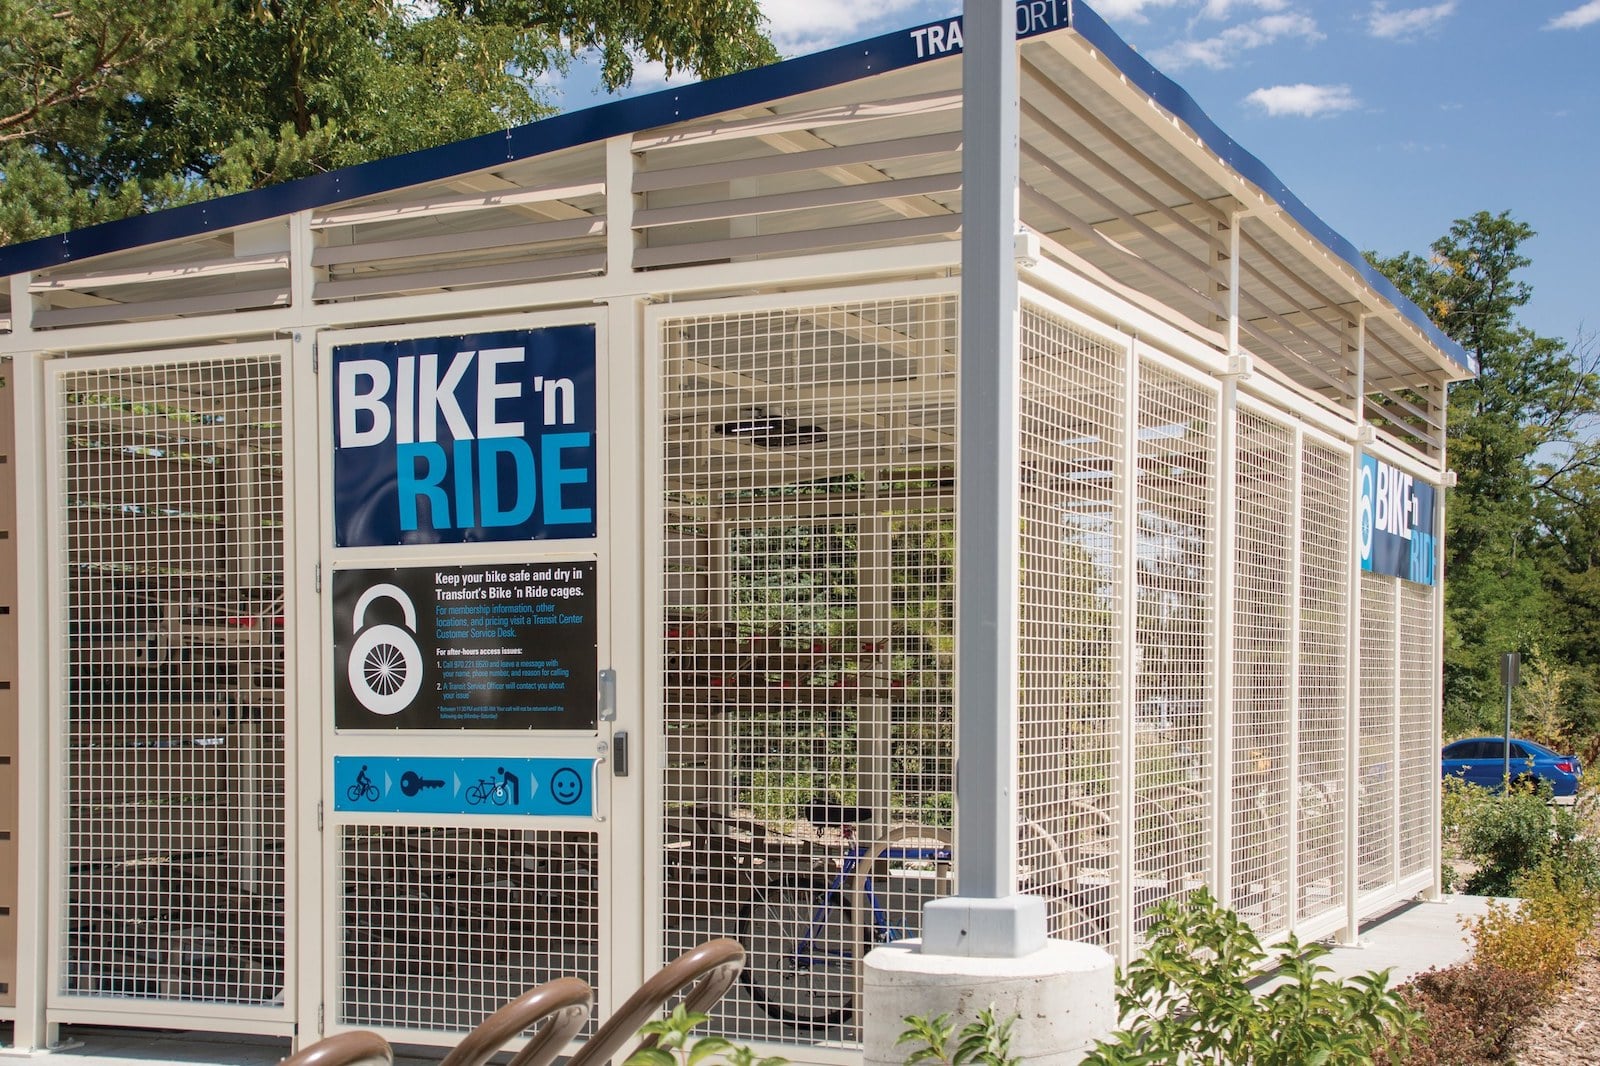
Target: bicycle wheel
370	793
353	793
500	794
475	795
799	956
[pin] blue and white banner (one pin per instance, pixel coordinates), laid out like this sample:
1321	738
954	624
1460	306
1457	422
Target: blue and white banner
385	784
448	440
1398	525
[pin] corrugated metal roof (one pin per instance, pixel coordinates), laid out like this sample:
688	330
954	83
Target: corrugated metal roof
836	69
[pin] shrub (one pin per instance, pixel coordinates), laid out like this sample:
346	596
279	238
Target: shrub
1187	999
676	1045
985	1041
1469	1012
1539	953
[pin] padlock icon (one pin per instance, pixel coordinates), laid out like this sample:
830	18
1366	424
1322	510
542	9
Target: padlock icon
385	668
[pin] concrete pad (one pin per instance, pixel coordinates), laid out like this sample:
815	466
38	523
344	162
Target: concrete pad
1416	936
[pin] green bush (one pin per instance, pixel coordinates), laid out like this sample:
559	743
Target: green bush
1507	835
1187	999
984	1041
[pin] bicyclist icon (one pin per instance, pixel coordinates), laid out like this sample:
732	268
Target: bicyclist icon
498	790
363	789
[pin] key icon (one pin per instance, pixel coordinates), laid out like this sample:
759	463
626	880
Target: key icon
411	783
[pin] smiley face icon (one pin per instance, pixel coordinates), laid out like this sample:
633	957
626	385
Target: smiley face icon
566	786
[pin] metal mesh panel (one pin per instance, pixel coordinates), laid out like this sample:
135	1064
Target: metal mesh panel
1175	701
1071	418
1324	677
442	926
172	515
1419	769
808	496
1375	783
1263	554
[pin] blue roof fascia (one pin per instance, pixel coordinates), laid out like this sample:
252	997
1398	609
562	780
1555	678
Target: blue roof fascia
820	70
1170	95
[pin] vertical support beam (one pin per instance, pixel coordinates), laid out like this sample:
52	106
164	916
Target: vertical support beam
989	919
302	275
1296	539
1227	521
619	206
21	305
311	874
36	773
987	507
1435	891
874	533
1126	810
1351	933
631	623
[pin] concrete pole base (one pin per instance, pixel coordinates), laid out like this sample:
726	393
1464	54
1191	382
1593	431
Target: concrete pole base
1063	997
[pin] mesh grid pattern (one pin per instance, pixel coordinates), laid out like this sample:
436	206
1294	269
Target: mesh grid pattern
443	926
1263	583
1175	702
1072	428
172	516
808	495
1324	676
1419	773
1375	782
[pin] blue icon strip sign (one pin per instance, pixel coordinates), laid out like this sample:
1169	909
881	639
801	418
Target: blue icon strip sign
382	784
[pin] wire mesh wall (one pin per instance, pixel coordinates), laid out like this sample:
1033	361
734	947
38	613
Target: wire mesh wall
1323	618
1375	777
1416	713
1174	721
808	492
442	926
174	708
1072	410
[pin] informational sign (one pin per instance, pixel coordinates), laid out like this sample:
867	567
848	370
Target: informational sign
483	437
497	646
1398	526
383	784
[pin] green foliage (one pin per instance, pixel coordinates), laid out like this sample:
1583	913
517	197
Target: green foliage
1523	536
985	1041
676	1045
1510	835
109	109
1188	999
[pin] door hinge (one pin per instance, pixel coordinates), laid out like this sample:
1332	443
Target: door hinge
316	578
319	816
321	1009
315	348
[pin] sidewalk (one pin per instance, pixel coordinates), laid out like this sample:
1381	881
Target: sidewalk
1412	938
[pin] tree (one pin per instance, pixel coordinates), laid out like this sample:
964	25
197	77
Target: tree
1521	440
109	109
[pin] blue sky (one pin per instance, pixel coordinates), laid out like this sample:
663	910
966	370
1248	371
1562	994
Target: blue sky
1390	120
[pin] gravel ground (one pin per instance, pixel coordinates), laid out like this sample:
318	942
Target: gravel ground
1568	1031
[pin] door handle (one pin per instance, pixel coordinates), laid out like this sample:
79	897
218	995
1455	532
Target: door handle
619	754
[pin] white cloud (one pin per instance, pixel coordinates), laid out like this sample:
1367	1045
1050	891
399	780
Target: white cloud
1306	101
1132	10
1219	52
1221	9
1408	23
801	26
1577	18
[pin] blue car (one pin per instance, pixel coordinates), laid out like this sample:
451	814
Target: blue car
1481	761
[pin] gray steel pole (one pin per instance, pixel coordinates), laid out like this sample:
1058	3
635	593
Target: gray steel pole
987	507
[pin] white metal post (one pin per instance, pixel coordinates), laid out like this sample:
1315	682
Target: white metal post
1351	934
1296	538
1126	807
1227	515
989	918
37	781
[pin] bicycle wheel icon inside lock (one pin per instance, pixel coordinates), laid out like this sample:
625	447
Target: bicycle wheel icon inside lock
385	669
